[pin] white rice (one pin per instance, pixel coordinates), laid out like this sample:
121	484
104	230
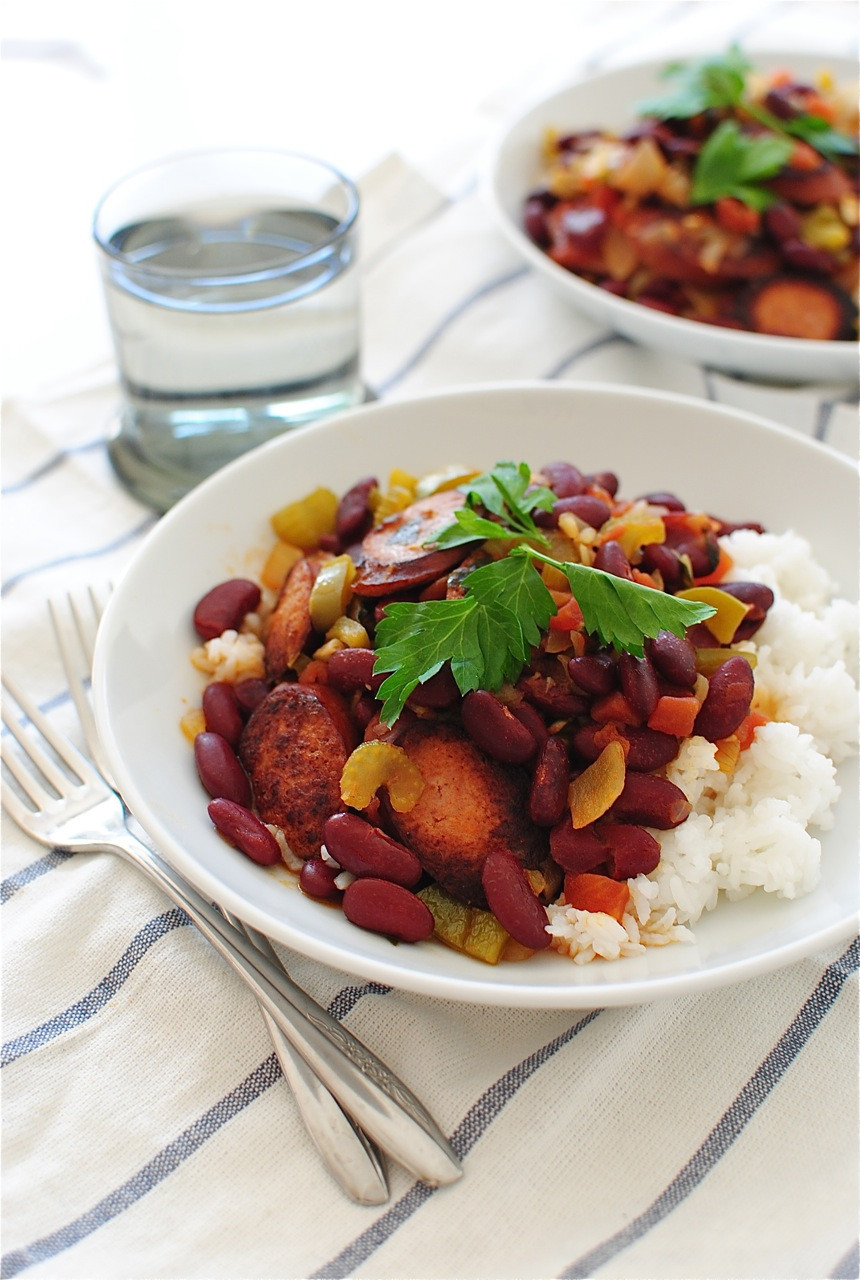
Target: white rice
752	829
232	656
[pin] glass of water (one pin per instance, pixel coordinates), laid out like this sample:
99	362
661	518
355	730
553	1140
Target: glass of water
232	290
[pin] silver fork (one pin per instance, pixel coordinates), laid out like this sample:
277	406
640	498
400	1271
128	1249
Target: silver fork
56	796
347	1152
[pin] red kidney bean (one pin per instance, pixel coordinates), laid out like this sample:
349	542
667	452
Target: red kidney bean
351	669
758	597
532	719
803	257
534	217
495	729
586	227
782	222
389	909
549	785
439	691
224	607
648	749
607	480
657	558
632	850
576	849
611	559
250	693
661	498
651	801
594	511
639	684
245	830
364	710
594	673
674	657
565	480
551	696
221	711
353	512
730	692
701	549
366	851
512	900
219	769
317	880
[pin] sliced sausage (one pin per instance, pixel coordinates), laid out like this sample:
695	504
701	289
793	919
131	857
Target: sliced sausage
825	185
797	307
672	245
294	755
470	806
290	622
395	554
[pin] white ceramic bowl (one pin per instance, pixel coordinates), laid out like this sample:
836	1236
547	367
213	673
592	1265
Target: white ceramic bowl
607	101
727	462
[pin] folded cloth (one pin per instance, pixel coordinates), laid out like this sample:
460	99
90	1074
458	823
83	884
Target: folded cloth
148	1131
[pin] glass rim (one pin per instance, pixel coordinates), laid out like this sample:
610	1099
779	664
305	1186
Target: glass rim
344	225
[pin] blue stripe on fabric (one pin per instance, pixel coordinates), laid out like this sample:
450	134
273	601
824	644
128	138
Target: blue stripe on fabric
10	886
490	286
593	344
148	1177
104	550
90	1004
51	464
471	1128
346	1000
165	1161
732	1123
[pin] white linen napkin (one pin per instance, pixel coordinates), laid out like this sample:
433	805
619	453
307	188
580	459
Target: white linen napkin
148	1132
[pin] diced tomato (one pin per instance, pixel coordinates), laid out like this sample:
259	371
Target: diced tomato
804	156
724	564
614	706
568	618
644	579
734	215
674	715
316	672
745	731
604	197
588	891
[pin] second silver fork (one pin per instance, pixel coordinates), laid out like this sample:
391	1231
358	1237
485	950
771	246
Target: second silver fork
350	1156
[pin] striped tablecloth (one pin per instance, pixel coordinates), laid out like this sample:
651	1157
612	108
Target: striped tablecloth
148	1131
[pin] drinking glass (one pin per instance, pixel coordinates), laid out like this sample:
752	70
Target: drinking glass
232	290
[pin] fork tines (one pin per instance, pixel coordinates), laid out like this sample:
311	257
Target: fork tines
46	768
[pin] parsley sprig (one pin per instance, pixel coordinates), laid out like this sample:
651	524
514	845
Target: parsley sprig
487	635
507	494
731	162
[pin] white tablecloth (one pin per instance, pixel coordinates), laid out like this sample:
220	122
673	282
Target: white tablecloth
148	1132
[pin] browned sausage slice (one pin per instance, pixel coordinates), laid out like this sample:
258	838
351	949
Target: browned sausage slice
294	755
825	185
395	555
290	622
795	307
470	806
677	246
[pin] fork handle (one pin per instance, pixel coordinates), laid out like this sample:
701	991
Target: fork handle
368	1090
347	1152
